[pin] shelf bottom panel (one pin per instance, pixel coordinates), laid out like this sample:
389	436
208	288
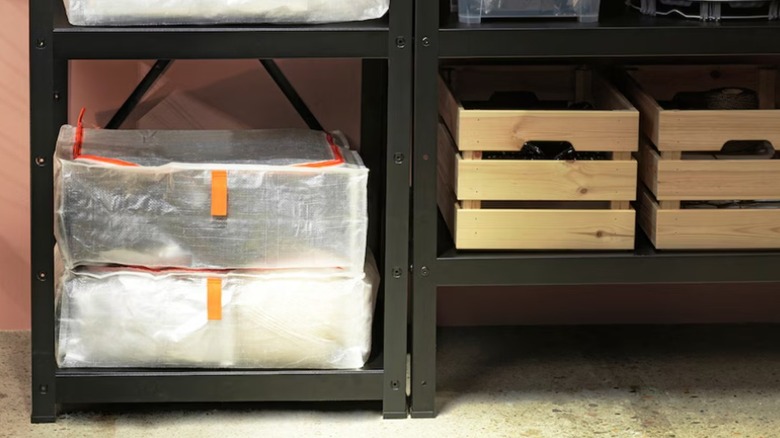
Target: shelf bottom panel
149	386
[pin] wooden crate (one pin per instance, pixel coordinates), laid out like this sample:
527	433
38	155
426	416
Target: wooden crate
538	204
672	176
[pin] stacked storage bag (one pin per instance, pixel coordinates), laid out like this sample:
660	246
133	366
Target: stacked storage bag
295	199
242	249
130	317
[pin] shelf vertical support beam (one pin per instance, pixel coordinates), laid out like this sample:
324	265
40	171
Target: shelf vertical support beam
397	206
48	111
425	209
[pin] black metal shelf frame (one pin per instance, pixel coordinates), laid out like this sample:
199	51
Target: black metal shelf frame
340	40
621	35
384	45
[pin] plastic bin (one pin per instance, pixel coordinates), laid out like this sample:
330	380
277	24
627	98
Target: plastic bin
473	11
305	319
257	199
177	12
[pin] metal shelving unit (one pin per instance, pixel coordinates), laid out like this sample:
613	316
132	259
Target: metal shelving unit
386	50
622	35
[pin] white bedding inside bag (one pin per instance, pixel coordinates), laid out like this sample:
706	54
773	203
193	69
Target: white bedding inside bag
177	12
304	319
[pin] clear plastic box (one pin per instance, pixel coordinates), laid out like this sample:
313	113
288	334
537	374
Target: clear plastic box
291	199
125	317
178	12
473	11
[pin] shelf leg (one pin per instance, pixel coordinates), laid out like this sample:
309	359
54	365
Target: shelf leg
397	206
425	219
48	111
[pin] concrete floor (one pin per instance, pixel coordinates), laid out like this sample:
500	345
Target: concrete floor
494	382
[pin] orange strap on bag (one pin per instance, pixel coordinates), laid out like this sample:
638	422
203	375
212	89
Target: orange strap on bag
78	142
79	134
214	300
338	158
219	193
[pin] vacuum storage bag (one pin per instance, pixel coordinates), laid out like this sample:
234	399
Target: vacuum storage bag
129	317
262	199
177	12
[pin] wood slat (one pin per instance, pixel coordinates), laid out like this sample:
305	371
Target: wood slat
445	198
470	156
509	130
445	190
545	229
622	204
718	229
447	155
665	203
649	110
583	86
607	97
449	109
697	180
519	180
648	211
709	130
648	165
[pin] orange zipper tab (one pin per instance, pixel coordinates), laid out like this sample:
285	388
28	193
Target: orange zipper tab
214	301
219	193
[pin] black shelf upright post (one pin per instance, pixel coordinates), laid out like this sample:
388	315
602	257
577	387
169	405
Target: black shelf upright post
386	49
397	167
424	226
48	111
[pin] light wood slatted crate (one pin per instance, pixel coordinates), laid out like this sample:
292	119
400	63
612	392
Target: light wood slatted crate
672	176
537	204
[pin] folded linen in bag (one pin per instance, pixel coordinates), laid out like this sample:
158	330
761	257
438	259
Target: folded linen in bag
210	199
173	12
129	317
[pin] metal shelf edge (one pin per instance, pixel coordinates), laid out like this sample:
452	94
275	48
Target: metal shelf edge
218	44
624	35
117	386
367	39
609	268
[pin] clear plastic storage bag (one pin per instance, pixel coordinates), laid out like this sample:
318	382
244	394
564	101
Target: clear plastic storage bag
127	317
176	12
209	199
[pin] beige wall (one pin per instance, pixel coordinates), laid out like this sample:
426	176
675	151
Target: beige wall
239	90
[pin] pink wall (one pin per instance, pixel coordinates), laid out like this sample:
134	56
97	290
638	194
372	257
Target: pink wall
14	173
238	92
